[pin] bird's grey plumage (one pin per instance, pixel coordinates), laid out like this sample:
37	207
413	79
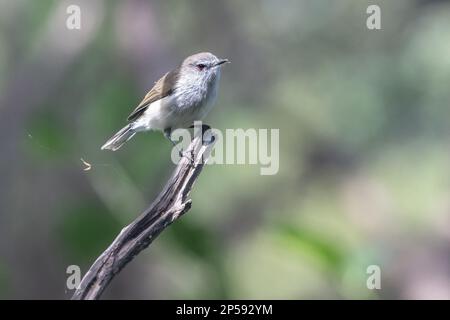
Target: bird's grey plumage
179	98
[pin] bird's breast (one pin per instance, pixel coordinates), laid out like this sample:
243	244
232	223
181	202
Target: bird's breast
195	95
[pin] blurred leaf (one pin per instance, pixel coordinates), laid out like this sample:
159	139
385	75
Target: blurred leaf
47	135
313	245
87	230
193	239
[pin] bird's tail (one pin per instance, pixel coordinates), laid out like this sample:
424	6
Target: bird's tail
117	140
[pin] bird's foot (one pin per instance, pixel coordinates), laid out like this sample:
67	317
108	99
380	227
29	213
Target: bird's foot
206	129
188	155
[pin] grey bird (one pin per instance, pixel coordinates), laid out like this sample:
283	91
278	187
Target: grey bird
182	96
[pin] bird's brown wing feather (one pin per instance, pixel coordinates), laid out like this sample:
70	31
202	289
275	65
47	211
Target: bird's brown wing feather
162	88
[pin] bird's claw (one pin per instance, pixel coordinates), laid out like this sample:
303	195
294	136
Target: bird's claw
206	128
187	155
208	142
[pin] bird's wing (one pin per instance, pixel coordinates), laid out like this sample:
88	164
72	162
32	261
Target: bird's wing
163	87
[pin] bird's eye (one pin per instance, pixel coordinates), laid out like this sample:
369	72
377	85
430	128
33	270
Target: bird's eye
201	66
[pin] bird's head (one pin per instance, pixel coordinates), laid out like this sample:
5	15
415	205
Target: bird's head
203	66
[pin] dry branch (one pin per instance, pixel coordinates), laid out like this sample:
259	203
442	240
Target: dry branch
170	204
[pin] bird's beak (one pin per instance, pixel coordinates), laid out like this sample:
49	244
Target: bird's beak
222	62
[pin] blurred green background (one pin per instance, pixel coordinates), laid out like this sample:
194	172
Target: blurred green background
364	148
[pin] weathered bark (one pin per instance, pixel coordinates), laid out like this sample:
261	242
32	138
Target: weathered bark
170	204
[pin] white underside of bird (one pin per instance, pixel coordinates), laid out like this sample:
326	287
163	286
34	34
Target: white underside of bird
168	113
